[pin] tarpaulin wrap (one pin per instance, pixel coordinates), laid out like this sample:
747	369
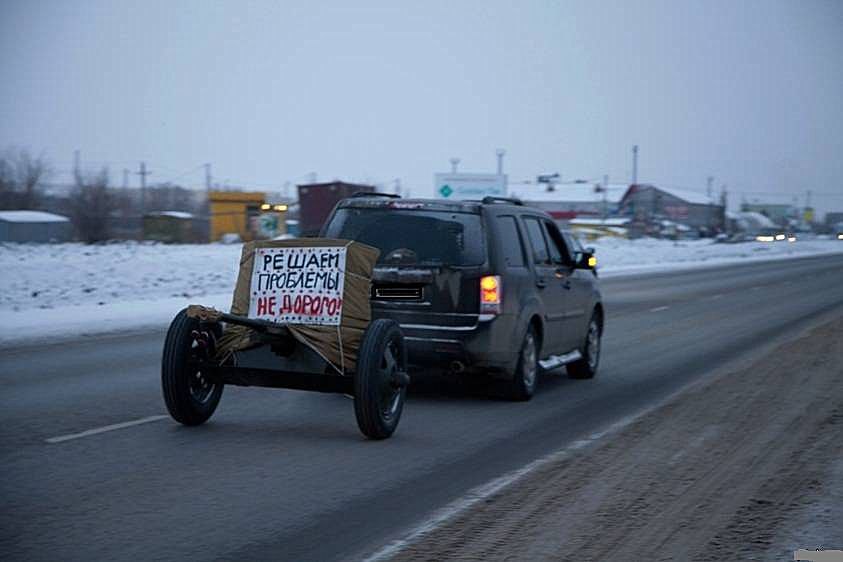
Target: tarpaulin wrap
336	344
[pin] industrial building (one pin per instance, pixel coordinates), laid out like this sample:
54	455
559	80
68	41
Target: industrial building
232	213
650	207
176	227
317	200
34	226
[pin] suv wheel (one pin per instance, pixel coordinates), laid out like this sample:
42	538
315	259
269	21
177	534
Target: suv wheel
586	367
523	384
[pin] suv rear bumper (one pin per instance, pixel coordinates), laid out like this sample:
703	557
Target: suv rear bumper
488	345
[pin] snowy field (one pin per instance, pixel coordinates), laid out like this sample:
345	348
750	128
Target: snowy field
61	290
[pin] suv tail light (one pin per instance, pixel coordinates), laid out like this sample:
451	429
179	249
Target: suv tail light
490	294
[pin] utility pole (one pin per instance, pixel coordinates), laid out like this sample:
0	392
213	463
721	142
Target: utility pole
143	173
500	154
605	190
709	183
125	178
207	178
454	163
76	165
635	164
808	215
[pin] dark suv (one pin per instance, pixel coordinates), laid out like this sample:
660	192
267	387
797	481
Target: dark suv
487	286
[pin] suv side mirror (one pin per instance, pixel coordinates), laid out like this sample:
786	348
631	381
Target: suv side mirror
587	260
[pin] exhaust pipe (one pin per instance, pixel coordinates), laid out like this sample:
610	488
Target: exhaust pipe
457	367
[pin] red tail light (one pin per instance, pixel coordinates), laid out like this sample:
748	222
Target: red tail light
490	294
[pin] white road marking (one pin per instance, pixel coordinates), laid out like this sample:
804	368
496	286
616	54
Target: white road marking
103	429
659	308
480	493
717	296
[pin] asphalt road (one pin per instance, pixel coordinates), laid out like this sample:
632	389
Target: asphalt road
285	475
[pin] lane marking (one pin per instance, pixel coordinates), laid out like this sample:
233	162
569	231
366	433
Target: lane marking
659	308
717	296
103	429
484	491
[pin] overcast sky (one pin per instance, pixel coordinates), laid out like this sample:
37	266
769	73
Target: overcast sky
750	92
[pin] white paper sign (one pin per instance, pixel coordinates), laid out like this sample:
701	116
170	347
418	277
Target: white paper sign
298	285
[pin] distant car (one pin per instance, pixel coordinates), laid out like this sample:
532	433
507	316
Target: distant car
840	235
774	235
491	287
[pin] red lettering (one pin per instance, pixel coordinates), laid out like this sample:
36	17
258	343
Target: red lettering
261	306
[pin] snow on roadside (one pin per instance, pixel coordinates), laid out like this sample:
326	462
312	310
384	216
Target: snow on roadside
617	256
67	290
56	291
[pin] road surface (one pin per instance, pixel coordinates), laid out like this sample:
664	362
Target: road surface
286	475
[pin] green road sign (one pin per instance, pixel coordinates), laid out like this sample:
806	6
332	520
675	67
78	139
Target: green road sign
446	190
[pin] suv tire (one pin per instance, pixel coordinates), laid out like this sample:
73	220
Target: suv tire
523	383
586	367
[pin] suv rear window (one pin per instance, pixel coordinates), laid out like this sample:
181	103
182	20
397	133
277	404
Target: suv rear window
413	237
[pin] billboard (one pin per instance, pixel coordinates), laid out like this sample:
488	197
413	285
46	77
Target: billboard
469	186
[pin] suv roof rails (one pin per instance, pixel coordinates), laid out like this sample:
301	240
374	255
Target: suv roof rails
492	199
376	194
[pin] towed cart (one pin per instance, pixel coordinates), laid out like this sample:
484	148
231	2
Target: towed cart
300	319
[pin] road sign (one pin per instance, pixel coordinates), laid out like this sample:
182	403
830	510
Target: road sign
469	186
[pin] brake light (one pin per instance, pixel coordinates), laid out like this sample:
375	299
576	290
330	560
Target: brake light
490	294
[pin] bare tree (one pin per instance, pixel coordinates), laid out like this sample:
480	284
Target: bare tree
21	176
91	205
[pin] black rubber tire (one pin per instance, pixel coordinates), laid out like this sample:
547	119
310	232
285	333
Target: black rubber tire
584	368
176	376
371	380
522	386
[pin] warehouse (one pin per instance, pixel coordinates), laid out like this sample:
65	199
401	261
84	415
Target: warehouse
649	204
34	226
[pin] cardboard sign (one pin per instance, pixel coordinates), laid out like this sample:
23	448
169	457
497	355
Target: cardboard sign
298	285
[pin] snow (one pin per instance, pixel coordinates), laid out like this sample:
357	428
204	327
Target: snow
753	220
693	197
56	291
31	216
612	221
619	256
173	214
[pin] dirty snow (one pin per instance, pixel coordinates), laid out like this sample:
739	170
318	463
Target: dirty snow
61	290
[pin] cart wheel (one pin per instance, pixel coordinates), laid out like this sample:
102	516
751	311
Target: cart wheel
380	381
190	397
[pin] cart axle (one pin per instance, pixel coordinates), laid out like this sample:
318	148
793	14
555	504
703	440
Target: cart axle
272	378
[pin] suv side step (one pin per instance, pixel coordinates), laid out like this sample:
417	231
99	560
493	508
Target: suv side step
558	360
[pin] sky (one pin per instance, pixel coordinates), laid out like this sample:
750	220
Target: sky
268	93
